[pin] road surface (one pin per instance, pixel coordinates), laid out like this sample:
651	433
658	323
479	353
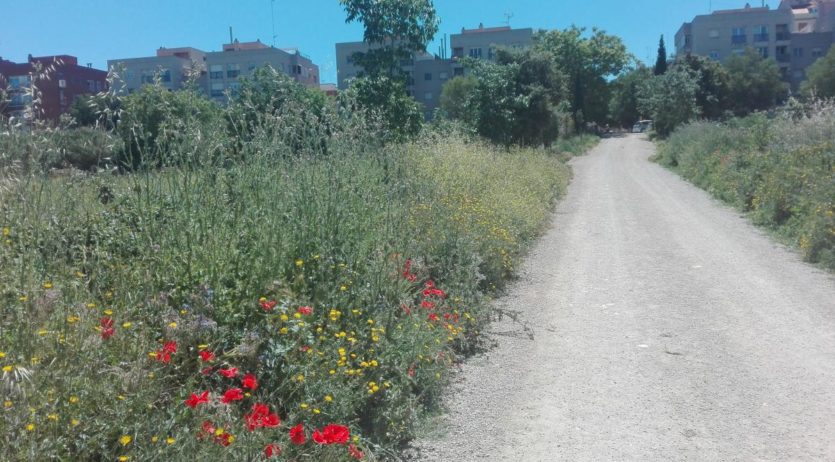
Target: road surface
653	323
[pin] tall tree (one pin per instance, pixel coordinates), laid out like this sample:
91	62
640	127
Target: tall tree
821	77
713	92
755	83
394	30
623	105
588	61
670	99
661	60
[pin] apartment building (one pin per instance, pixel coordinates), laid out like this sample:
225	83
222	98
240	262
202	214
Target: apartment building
795	34
218	73
59	80
427	73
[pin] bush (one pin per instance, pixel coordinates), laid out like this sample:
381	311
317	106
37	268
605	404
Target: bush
779	170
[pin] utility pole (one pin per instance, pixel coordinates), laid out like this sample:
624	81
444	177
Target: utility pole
272	13
508	15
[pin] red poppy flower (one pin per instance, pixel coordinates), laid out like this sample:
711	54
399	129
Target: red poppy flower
429	284
269	305
305	310
106	322
261	417
249	382
229	373
427	304
107	332
232	394
195	400
208	428
304	348
411	371
206	370
434	293
434	317
206	356
224	439
170	347
272	450
297	435
354	452
332	434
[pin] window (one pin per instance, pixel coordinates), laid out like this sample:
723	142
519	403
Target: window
763	51
738	52
443	76
217	90
713	33
761	33
252	66
714	54
688	39
91	85
783	32
458	52
798	52
427	96
233	70
215	71
165	75
427	76
817	52
782	54
458	71
801	26
738	35
490	53
475	52
147	76
19	81
349	59
234	88
296	69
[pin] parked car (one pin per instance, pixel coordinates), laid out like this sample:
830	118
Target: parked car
642	126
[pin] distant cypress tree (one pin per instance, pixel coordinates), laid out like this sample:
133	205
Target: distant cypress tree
661	62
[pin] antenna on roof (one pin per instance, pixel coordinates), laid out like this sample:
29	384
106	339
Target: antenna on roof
272	13
508	15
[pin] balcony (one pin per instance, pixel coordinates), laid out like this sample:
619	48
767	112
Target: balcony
739	39
783	58
783	36
760	37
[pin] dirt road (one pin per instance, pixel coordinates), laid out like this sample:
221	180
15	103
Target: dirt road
653	324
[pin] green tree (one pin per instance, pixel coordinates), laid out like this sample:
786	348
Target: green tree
456	98
754	83
386	99
623	105
713	92
661	60
395	30
587	60
670	99
820	80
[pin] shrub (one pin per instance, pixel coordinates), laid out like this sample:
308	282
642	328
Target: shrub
780	170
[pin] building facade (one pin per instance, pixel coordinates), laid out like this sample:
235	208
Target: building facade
427	73
217	73
58	80
795	34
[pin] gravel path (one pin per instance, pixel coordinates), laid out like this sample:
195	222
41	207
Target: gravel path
653	324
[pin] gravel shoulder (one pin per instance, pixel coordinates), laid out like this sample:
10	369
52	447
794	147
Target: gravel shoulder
652	323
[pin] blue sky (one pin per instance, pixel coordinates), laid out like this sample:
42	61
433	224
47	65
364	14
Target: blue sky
96	31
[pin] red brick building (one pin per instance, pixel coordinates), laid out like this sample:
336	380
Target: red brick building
59	80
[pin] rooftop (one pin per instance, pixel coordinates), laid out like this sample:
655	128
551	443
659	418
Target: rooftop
481	29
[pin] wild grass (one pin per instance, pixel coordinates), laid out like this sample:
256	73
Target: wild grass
345	275
781	170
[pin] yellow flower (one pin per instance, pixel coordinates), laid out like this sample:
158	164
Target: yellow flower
331	372
52	417
343	288
299	262
2	355
125	440
170	440
75	422
73	319
172	325
23	298
317	411
124	458
370	322
284	318
283	330
43	332
297	315
202	347
127	325
108	312
183	312
91	305
230	439
300	378
47	285
79	274
154	439
304	406
30	427
35	360
328	398
121	397
7	404
8	369
219	432
6	231
73	399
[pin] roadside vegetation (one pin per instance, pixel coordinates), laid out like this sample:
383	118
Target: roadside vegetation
286	277
780	169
